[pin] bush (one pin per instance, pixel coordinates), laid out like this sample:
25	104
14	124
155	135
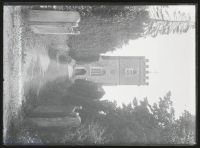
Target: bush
88	134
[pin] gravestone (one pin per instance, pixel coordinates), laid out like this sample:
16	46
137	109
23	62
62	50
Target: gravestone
53	22
54	116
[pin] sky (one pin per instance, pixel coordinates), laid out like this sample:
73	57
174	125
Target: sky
171	65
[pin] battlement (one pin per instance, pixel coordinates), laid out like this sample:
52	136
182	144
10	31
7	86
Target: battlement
146	71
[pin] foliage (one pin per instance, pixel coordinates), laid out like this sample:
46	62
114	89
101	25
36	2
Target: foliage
132	125
19	132
164	115
137	123
142	123
161	22
28	138
86	94
99	35
86	134
185	128
84	90
103	28
107	27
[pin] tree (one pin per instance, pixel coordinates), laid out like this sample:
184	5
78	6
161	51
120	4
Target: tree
102	33
130	124
162	22
102	28
164	114
137	123
185	128
90	134
86	94
87	90
164	111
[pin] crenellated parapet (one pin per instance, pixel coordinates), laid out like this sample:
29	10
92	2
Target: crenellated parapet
146	71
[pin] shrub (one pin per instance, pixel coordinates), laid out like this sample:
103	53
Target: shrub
92	133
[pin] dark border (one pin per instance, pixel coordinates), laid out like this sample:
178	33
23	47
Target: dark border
107	2
94	2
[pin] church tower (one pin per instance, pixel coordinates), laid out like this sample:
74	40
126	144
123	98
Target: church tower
115	70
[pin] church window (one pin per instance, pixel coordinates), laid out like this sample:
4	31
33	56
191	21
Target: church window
97	71
130	71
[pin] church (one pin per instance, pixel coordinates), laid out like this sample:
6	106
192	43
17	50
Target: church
115	70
